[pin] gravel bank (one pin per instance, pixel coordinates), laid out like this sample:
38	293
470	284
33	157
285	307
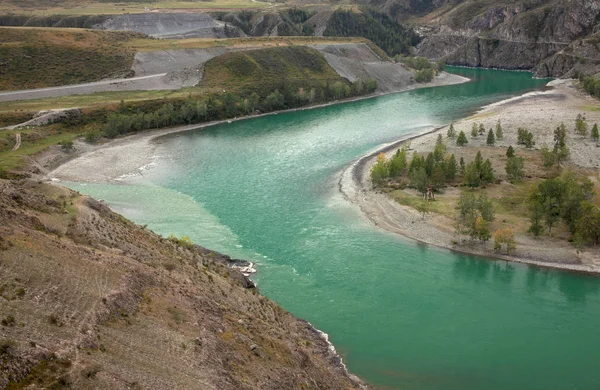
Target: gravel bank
384	212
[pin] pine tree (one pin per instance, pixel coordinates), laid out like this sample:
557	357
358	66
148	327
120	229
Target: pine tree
440	149
487	172
595	133
510	152
491	139
481	129
462	139
451	132
462	166
514	168
474	130
451	168
499	131
478	161
581	126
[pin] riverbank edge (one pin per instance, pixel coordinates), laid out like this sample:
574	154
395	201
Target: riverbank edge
355	186
148	139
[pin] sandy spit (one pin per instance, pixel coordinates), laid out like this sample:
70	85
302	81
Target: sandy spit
562	101
131	155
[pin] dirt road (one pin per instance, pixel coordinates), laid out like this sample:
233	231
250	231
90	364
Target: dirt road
18	144
135	83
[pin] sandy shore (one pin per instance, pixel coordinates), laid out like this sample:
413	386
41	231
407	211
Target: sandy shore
540	112
131	155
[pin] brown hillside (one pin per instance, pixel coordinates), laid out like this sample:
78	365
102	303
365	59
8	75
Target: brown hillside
91	300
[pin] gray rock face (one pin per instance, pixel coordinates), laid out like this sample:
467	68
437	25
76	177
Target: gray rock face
358	61
551	37
171	25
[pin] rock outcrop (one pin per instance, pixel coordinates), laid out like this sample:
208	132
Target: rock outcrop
551	37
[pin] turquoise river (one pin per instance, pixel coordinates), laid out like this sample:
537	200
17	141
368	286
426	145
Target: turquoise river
402	315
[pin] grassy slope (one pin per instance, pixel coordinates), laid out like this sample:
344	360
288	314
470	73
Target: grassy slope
267	69
35	58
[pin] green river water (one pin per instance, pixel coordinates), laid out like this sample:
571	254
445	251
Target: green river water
402	315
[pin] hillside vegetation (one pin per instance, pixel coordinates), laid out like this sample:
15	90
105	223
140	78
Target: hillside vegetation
36	58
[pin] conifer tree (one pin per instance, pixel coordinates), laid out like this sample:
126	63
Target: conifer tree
499	131
510	152
595	133
491	139
474	130
451	132
462	139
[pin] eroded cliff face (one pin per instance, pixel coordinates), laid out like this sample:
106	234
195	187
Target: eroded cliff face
90	300
553	38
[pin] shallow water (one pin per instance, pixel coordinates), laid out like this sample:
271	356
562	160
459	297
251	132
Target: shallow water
402	315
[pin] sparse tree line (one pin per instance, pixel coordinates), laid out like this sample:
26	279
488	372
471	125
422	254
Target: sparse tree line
193	110
426	70
434	171
567	199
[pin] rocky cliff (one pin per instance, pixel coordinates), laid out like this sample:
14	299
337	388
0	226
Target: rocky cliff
91	300
551	37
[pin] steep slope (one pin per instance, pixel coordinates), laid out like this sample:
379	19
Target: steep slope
91	300
550	37
36	58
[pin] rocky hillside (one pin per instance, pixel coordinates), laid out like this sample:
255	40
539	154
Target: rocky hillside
551	37
91	300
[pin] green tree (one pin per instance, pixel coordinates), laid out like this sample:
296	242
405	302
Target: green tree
588	224
478	161
487	172
561	152
451	132
481	129
466	208
420	180
474	130
472	175
548	156
491	139
398	162
576	191
485	207
451	168
462	166
380	170
595	133
549	196
67	146
581	126
439	150
429	164
499	131
462	139
415	163
510	152
514	168
529	142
